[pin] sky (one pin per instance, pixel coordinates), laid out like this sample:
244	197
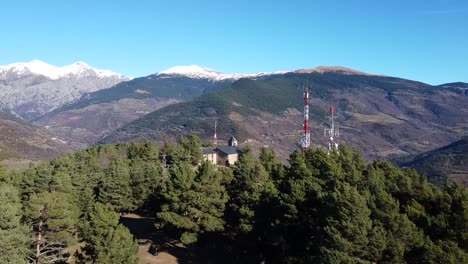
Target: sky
420	40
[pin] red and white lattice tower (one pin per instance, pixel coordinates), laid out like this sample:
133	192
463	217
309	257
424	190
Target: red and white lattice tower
305	142
333	131
215	137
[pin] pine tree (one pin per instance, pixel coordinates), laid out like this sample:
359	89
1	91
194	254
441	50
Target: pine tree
191	149
271	164
194	201
346	224
106	240
251	184
13	236
54	216
115	188
145	178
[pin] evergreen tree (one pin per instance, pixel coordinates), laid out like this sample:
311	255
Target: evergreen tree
54	216
115	188
250	185
145	178
13	236
194	201
346	224
106	240
191	149
271	164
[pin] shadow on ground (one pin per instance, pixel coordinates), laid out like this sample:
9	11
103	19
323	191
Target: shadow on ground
144	231
211	249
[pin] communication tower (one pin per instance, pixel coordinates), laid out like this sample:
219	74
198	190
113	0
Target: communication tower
333	132
305	142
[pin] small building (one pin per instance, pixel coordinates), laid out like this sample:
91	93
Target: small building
227	155
232	142
223	155
210	155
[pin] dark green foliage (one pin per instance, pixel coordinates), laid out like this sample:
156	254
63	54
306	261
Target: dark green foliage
271	164
156	87
145	179
190	149
53	216
13	236
59	195
10	207
194	201
107	241
250	185
445	164
115	188
321	208
338	209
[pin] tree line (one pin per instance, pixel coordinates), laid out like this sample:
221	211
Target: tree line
320	208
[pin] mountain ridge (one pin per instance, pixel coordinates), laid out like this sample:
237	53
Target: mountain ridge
445	164
79	69
30	90
384	116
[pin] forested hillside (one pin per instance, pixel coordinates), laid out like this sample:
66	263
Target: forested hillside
445	164
320	208
385	117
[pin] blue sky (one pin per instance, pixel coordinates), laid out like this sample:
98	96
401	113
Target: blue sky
420	40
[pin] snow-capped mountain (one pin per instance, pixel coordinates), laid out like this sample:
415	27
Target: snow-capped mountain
195	71
77	69
30	90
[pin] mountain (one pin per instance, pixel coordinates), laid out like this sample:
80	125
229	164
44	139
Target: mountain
30	90
88	124
457	87
20	140
97	114
198	72
445	164
386	117
179	82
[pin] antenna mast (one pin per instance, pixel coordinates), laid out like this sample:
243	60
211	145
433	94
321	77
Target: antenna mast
215	137
305	144
332	132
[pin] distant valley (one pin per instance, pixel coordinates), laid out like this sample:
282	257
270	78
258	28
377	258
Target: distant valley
22	141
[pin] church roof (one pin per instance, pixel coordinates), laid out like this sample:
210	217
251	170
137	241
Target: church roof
207	151
228	150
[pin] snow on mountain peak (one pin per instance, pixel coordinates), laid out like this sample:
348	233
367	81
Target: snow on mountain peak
195	71
79	69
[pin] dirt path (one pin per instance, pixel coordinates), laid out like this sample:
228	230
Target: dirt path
143	230
162	257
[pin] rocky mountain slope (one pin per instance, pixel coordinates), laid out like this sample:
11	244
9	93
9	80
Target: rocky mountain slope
445	164
89	124
30	90
180	82
99	113
385	117
20	140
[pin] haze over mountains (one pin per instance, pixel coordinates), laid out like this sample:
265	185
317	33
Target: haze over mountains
385	117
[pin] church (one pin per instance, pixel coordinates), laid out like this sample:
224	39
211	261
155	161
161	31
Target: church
223	155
